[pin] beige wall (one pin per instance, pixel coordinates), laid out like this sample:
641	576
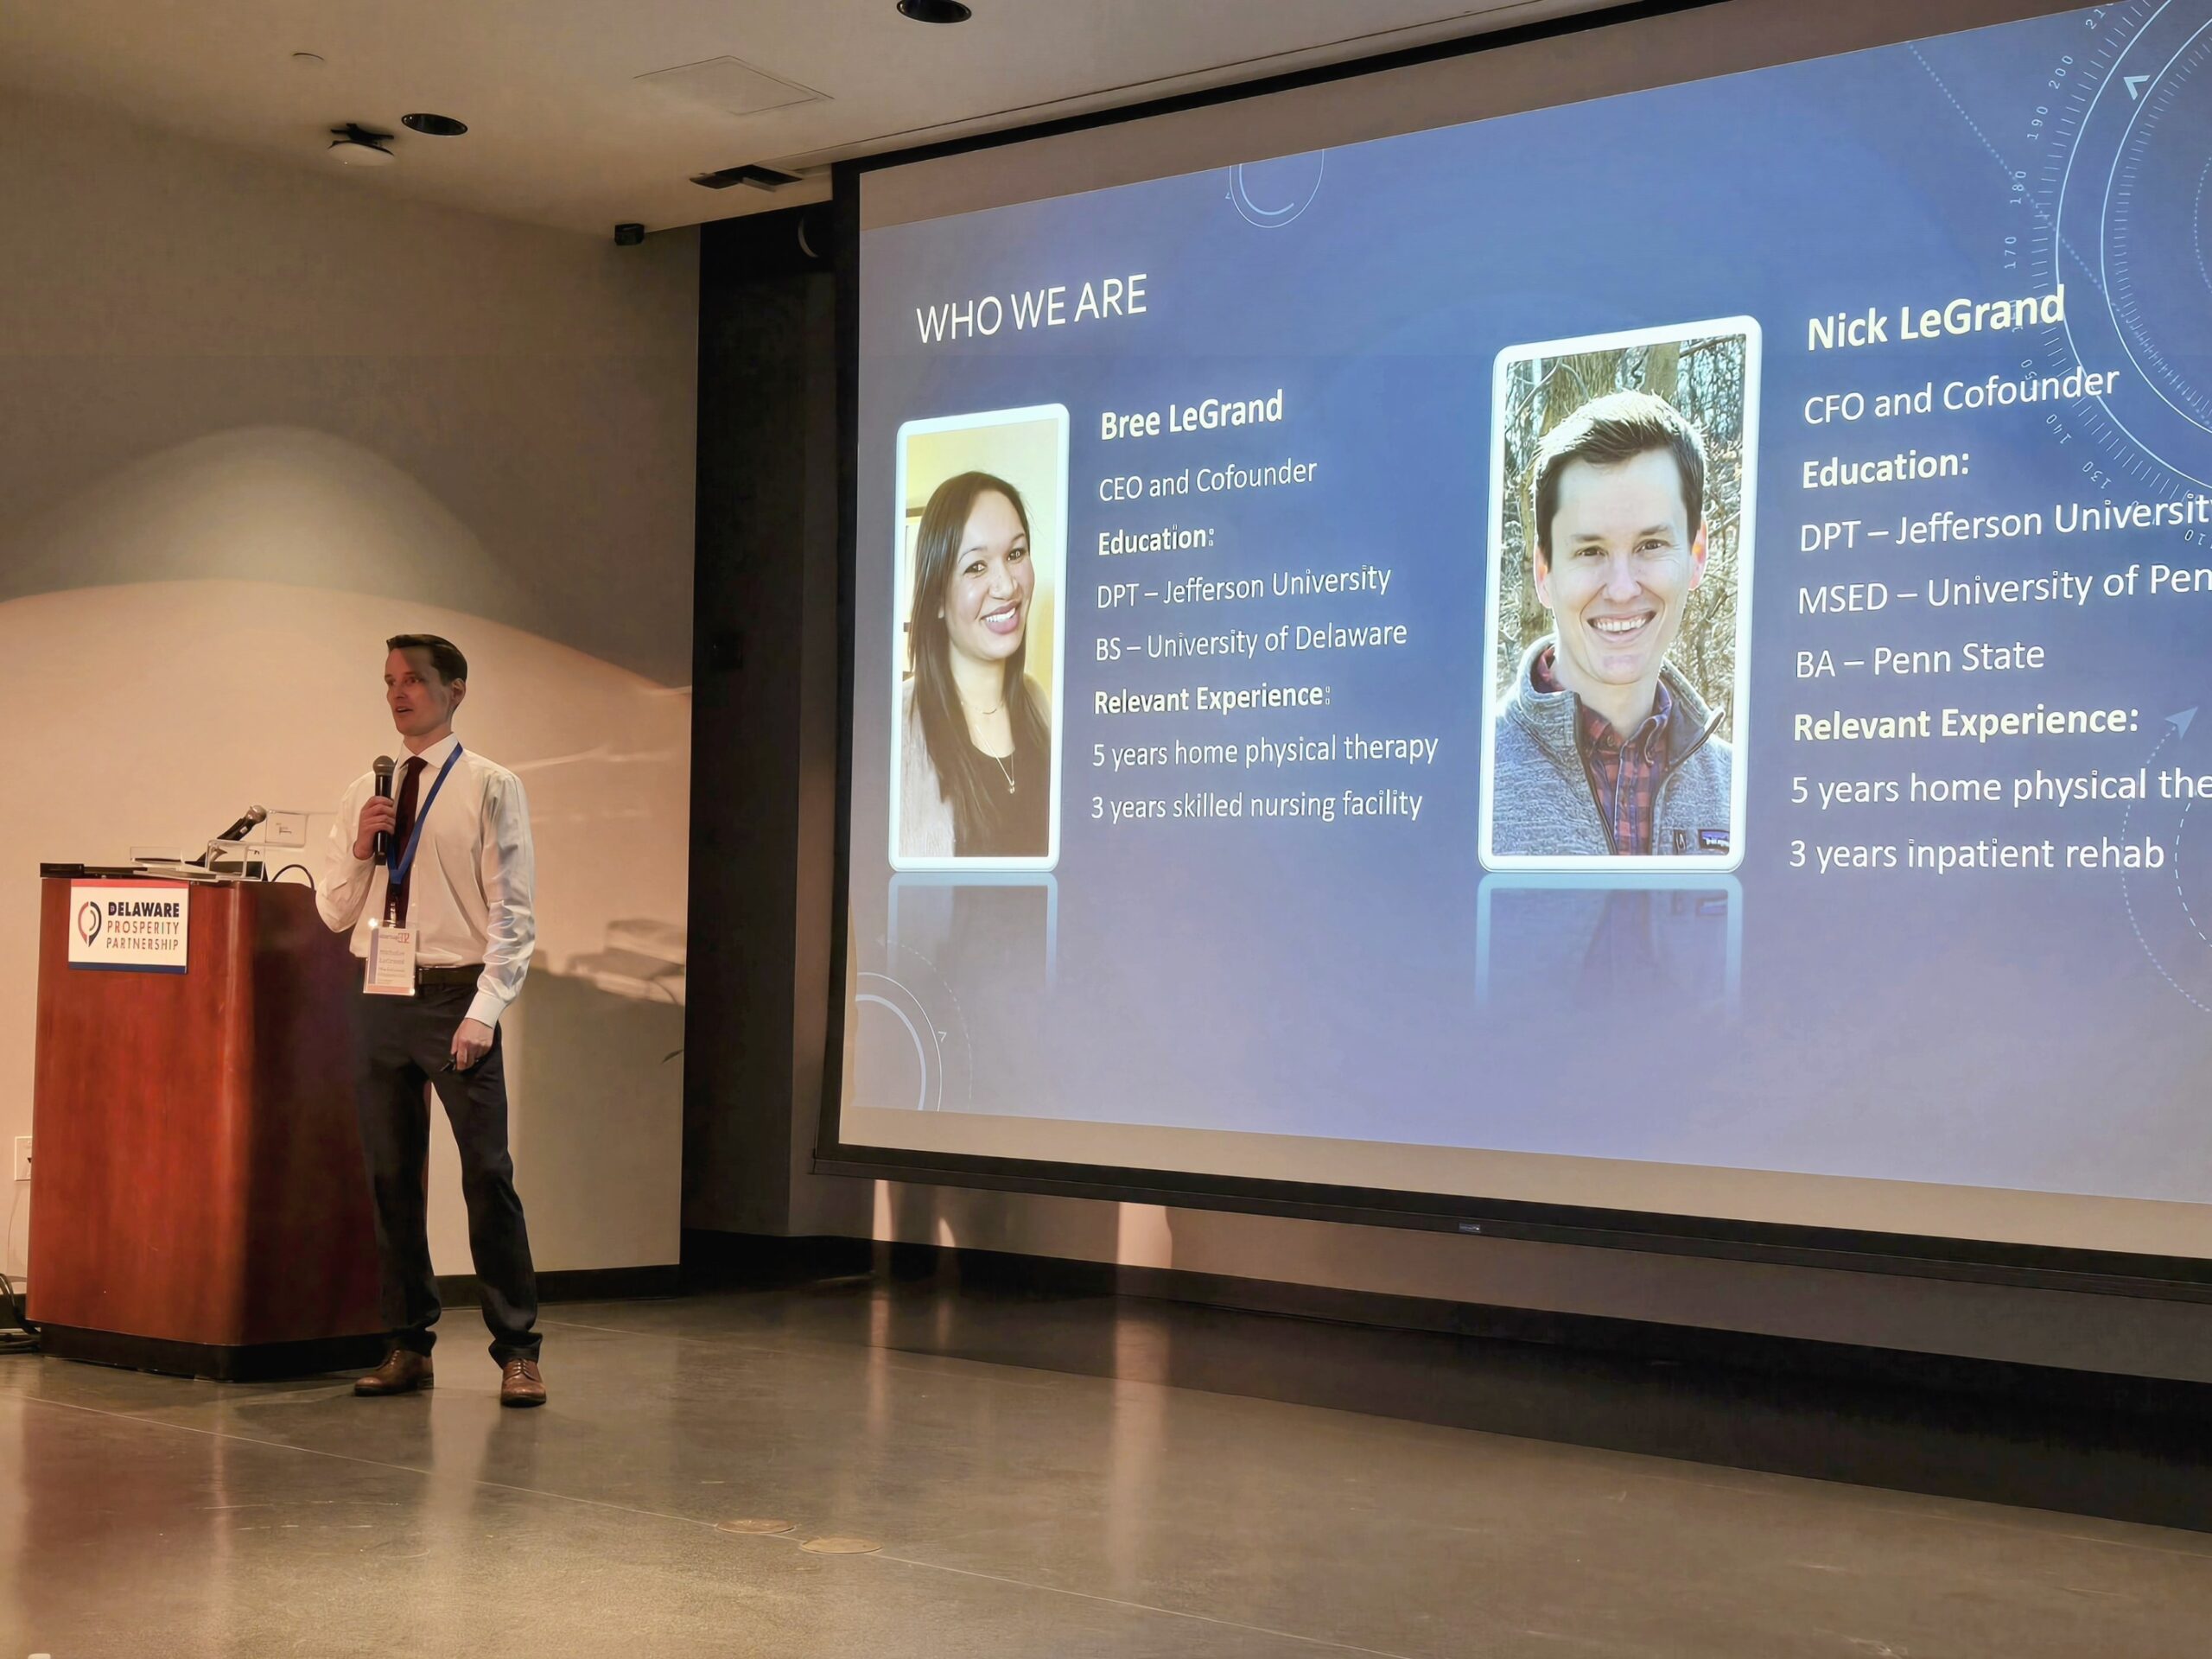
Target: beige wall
257	418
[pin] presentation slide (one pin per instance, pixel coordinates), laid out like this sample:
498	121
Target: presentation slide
1646	653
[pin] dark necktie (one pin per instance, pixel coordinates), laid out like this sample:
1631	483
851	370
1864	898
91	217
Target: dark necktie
410	790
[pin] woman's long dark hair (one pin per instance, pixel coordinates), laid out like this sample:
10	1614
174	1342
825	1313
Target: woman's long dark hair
967	778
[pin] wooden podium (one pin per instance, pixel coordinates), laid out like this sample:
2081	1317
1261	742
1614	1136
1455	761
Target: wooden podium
199	1201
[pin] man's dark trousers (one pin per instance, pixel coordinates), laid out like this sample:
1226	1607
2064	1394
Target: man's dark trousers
404	1042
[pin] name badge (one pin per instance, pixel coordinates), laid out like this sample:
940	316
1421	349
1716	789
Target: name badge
390	969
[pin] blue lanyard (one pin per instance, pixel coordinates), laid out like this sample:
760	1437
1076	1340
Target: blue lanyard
401	865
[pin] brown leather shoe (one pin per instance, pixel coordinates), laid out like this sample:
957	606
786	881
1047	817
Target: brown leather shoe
520	1384
403	1371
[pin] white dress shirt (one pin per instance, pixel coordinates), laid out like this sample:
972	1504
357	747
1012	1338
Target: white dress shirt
469	890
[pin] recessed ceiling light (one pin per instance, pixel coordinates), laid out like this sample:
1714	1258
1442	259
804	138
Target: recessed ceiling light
935	11
353	145
438	126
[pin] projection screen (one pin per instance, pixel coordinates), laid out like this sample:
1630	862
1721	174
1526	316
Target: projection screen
1605	631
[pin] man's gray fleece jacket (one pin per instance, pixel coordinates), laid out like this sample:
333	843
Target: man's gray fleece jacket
1543	804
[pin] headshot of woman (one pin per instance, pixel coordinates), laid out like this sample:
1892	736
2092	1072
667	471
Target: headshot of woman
975	774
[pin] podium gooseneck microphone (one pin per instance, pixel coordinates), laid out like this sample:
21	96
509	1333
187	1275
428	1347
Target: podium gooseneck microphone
252	815
382	766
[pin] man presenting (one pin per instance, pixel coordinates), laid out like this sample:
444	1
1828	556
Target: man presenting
441	917
1604	747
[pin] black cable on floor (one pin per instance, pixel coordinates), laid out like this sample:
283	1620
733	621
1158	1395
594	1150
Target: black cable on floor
17	1335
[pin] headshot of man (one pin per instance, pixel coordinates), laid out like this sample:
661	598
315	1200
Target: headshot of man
1602	748
976	756
448	867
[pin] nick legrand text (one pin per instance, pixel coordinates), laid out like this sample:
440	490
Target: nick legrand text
1842	330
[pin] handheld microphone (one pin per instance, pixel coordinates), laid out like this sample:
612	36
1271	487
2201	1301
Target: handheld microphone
382	766
252	815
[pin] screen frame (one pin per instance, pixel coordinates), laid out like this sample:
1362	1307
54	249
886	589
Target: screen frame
2027	1266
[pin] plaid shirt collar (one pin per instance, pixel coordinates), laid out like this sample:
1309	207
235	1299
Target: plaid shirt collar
1624	774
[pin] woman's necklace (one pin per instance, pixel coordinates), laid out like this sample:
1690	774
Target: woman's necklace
985	714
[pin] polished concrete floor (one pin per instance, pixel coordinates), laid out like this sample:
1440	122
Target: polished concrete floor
1074	1505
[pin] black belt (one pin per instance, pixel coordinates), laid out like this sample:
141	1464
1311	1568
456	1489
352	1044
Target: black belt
463	975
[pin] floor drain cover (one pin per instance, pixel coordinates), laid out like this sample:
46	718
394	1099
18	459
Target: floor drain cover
841	1546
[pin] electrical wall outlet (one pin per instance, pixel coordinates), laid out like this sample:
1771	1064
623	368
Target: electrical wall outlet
287	829
22	1157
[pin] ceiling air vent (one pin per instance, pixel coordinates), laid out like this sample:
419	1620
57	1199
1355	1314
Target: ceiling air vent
760	178
728	86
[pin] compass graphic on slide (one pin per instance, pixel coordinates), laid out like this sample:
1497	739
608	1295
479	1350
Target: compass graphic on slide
1270	195
2170	904
912	1040
2122	214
